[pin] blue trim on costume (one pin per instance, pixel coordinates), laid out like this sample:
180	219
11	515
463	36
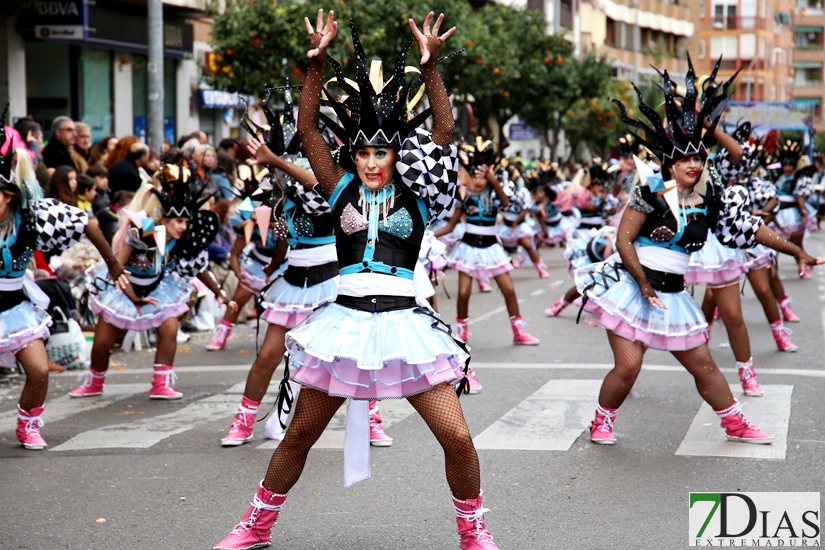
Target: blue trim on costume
294	239
8	271
339	188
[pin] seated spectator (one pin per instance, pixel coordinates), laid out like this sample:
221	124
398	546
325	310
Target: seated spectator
207	159
82	145
56	153
32	132
101	177
100	151
120	150
227	158
63	185
86	193
150	168
124	174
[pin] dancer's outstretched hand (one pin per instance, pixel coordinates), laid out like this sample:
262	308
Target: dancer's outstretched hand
804	259
262	153
322	35
425	37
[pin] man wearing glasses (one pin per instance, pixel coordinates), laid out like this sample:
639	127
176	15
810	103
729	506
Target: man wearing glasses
56	153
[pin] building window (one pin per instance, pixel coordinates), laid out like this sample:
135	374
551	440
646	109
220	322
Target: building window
725	46
724	16
701	49
701	9
610	34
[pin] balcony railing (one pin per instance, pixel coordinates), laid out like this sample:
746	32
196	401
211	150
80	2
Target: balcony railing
732	23
812	83
810	47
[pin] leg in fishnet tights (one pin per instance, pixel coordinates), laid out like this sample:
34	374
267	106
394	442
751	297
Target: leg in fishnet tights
260	375
442	412
709	379
761	283
313	411
628	357
730	307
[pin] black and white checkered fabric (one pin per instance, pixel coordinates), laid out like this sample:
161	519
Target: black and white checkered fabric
733	172
611	203
431	172
509	189
59	226
761	191
804	187
189	268
312	200
737	227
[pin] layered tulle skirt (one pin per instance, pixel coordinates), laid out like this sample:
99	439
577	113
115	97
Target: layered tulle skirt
575	251
390	355
172	294
451	238
788	221
487	262
759	257
716	264
612	300
510	236
20	325
253	271
558	233
287	305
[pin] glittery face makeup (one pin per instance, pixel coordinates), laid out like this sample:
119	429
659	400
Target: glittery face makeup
375	166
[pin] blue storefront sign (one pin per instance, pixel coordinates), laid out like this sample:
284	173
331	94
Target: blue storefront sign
61	20
168	128
221	99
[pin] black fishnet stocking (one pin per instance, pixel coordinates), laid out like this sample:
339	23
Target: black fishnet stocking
628	357
709	379
442	412
760	280
313	411
260	375
730	307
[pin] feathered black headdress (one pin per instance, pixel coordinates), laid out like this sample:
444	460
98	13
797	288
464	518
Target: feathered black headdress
182	190
370	117
6	160
482	153
789	153
684	133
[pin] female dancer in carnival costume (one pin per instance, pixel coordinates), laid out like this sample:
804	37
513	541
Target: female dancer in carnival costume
642	301
517	229
375	342
755	262
479	254
303	218
162	242
554	225
28	222
794	186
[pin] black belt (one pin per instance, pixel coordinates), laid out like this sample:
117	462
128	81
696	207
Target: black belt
310	276
664	281
783	205
479	241
377	304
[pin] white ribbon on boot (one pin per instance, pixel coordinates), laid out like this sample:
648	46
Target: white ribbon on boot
357	442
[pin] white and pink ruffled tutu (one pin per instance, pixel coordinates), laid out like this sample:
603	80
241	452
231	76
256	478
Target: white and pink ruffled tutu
575	251
288	305
479	263
716	264
759	257
510	236
788	221
451	238
614	302
252	268
116	309
559	232
356	354
20	325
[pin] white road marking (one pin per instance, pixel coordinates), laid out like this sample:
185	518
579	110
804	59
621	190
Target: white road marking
556	283
65	406
811	373
538	292
549	420
490	313
392	412
771	412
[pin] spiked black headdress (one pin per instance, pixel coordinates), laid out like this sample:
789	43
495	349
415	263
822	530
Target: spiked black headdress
370	117
182	191
789	153
482	153
256	186
627	146
281	138
599	175
6	160
684	132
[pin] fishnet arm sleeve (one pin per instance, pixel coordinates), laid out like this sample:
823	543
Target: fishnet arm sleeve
629	227
323	165
443	123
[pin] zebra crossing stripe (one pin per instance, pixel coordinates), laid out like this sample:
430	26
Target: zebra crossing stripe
392	412
771	412
549	420
65	406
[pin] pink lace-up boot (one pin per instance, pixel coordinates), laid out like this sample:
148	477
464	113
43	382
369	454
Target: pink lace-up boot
377	436
748	377
241	429
557	307
484	285
222	333
28	428
462	328
739	428
788	313
520	336
93	382
542	269
472	380
780	334
471	528
254	529
162	382
601	429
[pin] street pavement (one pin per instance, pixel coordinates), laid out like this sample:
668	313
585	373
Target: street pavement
156	473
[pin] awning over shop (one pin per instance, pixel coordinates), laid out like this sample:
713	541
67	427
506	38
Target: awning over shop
808	100
801	28
807	64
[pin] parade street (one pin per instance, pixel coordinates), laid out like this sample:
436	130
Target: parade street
124	472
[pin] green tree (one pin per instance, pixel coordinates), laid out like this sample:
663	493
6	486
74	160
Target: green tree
595	121
8	8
